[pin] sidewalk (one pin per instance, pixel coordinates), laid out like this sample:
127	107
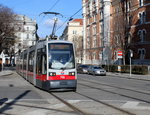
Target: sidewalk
132	76
6	72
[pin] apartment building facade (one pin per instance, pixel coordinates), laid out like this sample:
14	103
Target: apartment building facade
111	26
74	33
96	26
26	34
131	23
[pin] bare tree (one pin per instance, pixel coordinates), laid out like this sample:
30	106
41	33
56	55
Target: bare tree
7	28
78	42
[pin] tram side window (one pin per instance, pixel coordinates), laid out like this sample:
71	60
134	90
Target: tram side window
44	60
31	61
44	64
25	62
39	62
21	61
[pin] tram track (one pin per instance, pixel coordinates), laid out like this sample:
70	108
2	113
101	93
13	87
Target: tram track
81	112
77	110
112	86
130	89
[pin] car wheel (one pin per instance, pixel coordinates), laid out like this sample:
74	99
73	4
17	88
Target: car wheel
94	73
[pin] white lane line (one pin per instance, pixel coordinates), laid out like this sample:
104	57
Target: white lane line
134	105
43	112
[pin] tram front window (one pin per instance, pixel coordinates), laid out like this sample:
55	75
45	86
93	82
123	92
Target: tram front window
61	56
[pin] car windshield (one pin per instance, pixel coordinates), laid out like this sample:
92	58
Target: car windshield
61	56
97	68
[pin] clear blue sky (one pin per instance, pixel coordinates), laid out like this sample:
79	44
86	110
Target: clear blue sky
32	9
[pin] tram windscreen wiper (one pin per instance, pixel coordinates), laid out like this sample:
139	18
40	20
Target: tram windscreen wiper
63	68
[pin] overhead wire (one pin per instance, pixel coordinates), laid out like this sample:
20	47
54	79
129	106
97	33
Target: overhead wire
51	8
71	17
54	5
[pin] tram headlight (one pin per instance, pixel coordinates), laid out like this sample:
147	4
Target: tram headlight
52	74
72	73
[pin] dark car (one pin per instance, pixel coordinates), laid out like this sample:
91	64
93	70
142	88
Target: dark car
96	70
82	68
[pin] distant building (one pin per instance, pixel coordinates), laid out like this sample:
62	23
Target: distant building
96	24
74	33
26	34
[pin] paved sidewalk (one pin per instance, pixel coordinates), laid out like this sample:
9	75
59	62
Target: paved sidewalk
6	72
132	76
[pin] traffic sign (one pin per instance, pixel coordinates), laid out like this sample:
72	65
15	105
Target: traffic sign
120	54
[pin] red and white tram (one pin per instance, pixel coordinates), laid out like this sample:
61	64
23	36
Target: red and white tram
49	65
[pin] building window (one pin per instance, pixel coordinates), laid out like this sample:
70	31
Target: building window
141	53
129	38
129	20
27	28
88	42
88	32
94	30
94	18
128	6
142	35
140	3
101	15
142	17
27	36
94	41
101	3
94	55
74	32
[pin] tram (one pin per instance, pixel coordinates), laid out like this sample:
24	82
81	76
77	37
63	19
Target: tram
49	65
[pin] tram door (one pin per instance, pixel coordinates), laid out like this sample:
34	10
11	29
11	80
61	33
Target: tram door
41	67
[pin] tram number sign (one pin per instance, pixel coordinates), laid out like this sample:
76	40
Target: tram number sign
120	54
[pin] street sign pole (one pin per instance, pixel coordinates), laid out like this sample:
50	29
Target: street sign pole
2	55
131	55
119	59
130	67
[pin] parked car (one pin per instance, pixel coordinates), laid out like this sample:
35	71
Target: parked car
96	70
82	68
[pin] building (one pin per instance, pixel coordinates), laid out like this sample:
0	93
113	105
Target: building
131	22
96	25
138	17
74	33
111	26
26	34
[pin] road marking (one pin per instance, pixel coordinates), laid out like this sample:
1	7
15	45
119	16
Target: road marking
56	106
134	105
130	104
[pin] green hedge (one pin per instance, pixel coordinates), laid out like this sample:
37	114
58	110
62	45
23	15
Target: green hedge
136	69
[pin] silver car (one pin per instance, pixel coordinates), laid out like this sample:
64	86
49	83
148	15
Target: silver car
96	70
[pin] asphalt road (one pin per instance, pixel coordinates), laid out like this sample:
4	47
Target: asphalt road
18	97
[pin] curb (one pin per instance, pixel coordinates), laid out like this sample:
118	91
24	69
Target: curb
5	73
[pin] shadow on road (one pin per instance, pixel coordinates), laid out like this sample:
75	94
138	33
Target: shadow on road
8	105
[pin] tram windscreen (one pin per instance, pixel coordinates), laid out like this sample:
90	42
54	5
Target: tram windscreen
61	56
